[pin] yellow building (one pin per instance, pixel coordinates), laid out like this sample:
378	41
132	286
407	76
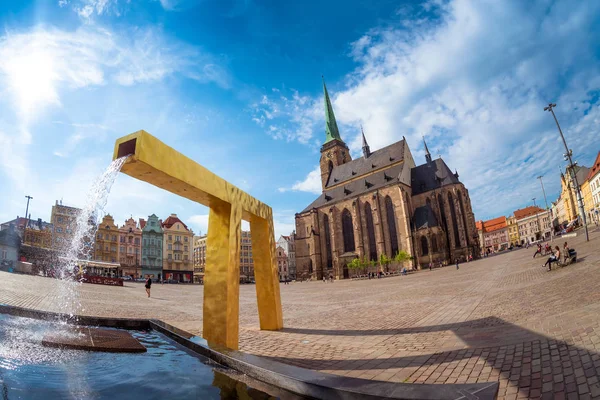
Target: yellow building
107	241
568	192
64	220
588	202
38	234
178	245
199	258
513	230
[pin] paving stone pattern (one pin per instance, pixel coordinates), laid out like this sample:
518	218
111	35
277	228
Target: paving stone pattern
503	318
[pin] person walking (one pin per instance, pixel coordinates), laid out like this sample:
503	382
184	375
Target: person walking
538	251
148	285
456	263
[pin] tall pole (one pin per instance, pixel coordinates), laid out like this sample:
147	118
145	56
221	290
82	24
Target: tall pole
27	209
547	209
27	214
537	218
569	156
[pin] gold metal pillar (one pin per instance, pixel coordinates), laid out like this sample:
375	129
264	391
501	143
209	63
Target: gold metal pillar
152	161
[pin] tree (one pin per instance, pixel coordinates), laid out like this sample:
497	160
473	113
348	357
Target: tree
355	265
402	256
384	261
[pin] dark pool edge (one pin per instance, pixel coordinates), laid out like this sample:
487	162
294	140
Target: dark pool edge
107	322
298	380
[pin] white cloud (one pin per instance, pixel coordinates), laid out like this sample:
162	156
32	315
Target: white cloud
87	10
311	184
290	117
38	67
474	81
199	223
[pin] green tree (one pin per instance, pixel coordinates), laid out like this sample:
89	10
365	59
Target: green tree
384	261
355	265
401	257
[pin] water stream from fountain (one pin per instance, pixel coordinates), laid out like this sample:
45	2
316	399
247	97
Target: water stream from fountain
81	246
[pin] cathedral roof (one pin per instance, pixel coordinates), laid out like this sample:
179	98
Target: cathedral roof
425	217
362	166
431	175
396	174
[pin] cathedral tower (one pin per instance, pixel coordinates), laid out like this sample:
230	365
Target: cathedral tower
334	151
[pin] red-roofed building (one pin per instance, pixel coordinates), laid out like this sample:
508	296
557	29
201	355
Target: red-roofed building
178	249
534	224
495	234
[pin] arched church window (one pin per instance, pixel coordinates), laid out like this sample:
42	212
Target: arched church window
370	232
454	220
424	246
329	257
434	246
444	219
348	231
462	211
391	220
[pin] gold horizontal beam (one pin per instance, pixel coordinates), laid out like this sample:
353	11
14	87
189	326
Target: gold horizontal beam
152	161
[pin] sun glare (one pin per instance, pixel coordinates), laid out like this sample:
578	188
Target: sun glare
32	76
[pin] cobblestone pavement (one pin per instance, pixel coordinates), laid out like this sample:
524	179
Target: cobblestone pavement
504	318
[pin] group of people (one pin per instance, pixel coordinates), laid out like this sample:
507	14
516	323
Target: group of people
555	256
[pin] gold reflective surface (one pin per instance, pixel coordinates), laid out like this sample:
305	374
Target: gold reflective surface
154	162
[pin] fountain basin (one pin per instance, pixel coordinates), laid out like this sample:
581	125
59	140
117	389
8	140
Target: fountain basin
262	375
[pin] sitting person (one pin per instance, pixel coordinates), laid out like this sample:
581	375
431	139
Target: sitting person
553	258
566	251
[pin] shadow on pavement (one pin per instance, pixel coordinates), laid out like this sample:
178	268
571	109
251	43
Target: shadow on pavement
533	362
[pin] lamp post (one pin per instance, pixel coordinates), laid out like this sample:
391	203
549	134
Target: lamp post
547	209
27	209
569	156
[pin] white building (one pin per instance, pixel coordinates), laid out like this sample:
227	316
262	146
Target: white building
534	224
288	244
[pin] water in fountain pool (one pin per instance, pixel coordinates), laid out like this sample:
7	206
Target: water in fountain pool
166	371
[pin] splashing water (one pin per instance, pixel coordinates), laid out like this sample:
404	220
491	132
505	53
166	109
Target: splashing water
81	246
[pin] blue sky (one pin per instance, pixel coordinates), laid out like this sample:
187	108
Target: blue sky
236	86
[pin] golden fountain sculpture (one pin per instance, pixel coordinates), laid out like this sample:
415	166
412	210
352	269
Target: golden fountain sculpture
150	160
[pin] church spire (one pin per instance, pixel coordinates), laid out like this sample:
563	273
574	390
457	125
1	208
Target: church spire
331	128
365	145
427	155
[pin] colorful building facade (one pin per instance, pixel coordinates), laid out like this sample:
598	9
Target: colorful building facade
593	203
130	245
513	230
64	220
152	248
107	241
178	244
495	234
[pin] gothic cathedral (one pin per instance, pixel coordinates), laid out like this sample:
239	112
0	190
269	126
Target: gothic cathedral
382	203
